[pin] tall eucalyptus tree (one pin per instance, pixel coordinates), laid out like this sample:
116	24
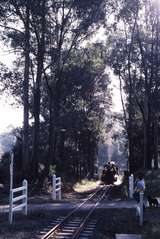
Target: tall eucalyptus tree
136	62
13	15
71	22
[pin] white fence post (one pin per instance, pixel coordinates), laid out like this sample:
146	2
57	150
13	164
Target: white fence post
131	185
54	187
25	192
10	206
11	170
141	209
59	192
12	200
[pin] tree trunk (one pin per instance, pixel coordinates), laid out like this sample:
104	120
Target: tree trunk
53	122
145	125
155	133
25	153
52	131
37	94
147	134
130	131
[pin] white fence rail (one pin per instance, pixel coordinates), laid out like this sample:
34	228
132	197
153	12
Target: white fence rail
56	187
14	199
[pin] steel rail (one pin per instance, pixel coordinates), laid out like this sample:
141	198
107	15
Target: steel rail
59	225
84	222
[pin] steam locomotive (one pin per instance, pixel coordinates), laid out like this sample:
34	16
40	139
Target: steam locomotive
109	173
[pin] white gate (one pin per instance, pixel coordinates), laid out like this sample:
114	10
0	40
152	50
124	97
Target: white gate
14	199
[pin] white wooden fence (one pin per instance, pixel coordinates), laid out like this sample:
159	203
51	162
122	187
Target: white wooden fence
56	187
14	199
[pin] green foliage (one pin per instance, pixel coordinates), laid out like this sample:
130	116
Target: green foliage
68	87
134	59
52	170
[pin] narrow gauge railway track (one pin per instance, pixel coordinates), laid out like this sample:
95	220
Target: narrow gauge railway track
74	226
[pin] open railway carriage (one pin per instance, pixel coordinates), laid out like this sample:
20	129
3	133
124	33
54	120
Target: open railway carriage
109	173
